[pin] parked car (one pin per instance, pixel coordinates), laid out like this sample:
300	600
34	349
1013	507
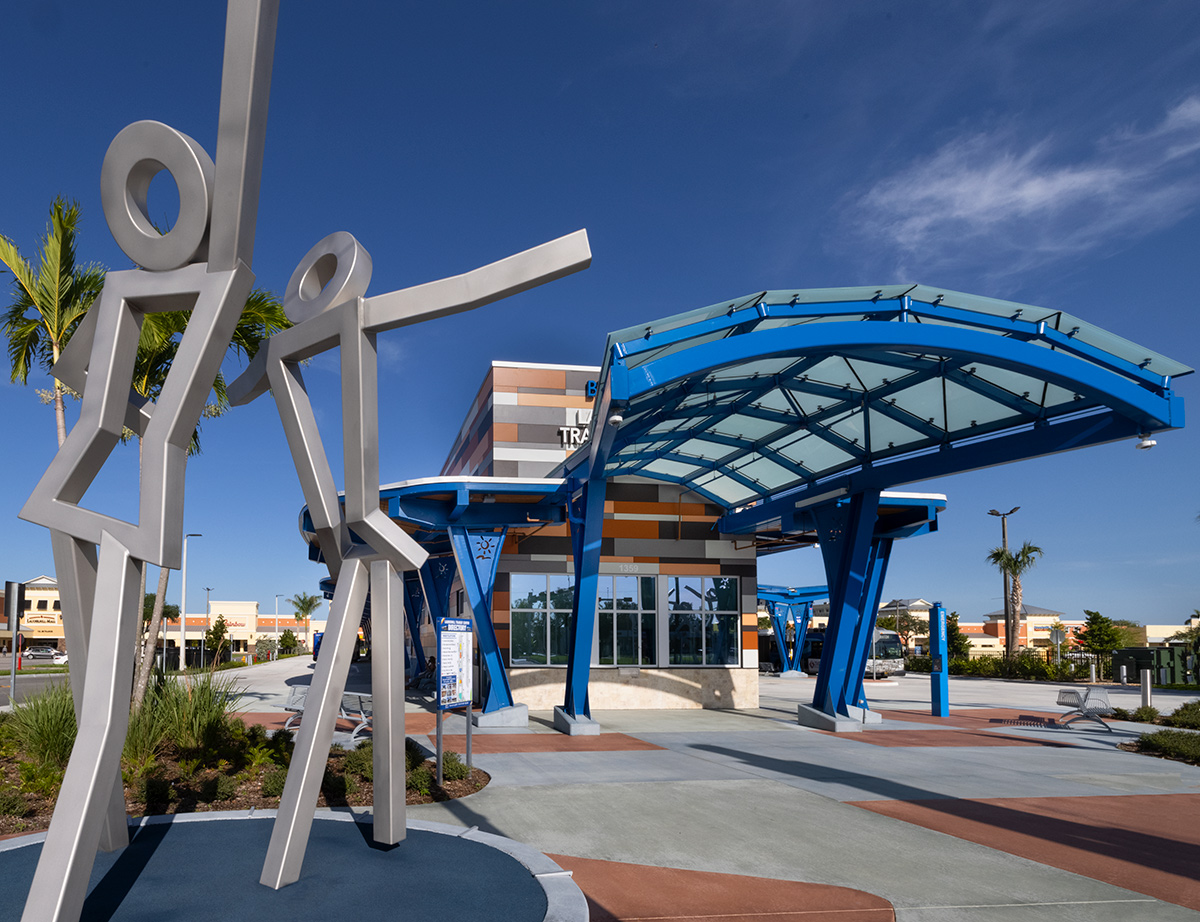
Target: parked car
40	653
60	659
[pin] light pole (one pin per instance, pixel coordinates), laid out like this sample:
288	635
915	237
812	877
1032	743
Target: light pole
183	604
1011	630
207	621
278	596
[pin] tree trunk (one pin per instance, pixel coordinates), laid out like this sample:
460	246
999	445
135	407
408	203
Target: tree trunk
1017	601
143	677
141	637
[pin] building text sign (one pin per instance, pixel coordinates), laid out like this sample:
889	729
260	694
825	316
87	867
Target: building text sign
454	663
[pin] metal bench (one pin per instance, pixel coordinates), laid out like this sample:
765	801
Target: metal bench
1091	704
354	707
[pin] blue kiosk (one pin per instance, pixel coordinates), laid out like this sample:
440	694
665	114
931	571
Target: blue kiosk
794	411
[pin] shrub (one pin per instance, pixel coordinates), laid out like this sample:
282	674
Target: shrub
1186	716
1174	744
41	779
361	762
1121	714
144	741
197	708
13	803
273	782
1145	714
44	726
453	768
220	787
420	780
414	754
156	791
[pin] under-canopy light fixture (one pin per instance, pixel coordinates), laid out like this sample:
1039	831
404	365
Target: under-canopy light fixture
1145	442
615	420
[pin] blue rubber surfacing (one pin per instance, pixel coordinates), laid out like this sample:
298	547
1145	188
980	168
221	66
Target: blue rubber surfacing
209	870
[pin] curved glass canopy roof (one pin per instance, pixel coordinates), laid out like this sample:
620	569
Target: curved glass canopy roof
863	387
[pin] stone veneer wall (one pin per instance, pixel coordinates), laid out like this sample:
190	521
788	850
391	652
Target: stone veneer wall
626	688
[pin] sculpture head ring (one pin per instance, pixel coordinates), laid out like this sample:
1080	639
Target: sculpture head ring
136	155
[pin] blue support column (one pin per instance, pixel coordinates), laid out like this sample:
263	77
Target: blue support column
801	634
845	530
939	684
478	556
414	604
881	551
587	529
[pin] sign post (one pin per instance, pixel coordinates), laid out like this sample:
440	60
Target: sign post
455	658
14	601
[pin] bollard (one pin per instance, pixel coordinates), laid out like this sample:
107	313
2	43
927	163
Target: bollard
1092	673
1146	686
1122	675
1163	676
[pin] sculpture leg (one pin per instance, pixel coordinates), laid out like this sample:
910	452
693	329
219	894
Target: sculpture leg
387	701
61	880
289	836
75	566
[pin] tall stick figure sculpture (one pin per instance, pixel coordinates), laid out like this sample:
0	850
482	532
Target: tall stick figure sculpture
203	266
325	300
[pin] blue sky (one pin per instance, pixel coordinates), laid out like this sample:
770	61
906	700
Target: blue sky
1042	153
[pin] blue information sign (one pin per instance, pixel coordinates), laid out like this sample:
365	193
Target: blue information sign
454	663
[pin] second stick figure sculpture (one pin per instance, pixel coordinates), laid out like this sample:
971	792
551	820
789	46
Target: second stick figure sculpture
325	299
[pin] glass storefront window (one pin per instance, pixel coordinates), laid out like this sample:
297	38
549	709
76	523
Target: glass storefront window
539	609
625	621
704	623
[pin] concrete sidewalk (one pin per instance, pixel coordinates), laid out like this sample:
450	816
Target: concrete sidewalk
994	813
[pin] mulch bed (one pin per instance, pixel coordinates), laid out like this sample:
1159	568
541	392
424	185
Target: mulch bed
171	789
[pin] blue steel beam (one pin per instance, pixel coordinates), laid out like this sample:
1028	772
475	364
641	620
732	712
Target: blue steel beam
414	604
1131	399
881	551
845	529
478	556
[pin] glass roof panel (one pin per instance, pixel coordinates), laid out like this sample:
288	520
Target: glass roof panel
889	433
811	452
1059	396
773	476
965	407
702	448
727	489
849	427
923	400
1011	381
763	367
833	371
774	400
745	427
671	468
875	374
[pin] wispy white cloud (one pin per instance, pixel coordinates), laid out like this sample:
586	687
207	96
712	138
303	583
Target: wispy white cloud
1014	204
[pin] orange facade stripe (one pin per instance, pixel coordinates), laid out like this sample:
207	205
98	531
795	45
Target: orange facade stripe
630	528
553	400
749	640
505	432
689	569
529	377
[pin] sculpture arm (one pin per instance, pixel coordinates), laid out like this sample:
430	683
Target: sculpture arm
481	286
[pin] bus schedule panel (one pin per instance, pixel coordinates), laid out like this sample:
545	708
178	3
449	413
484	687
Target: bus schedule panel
454	663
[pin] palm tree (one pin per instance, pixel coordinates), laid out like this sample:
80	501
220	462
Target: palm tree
305	605
1014	565
48	305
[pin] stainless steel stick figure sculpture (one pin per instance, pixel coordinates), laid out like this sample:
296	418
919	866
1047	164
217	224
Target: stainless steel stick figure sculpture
325	301
202	266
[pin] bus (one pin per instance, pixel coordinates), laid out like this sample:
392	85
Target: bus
887	658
